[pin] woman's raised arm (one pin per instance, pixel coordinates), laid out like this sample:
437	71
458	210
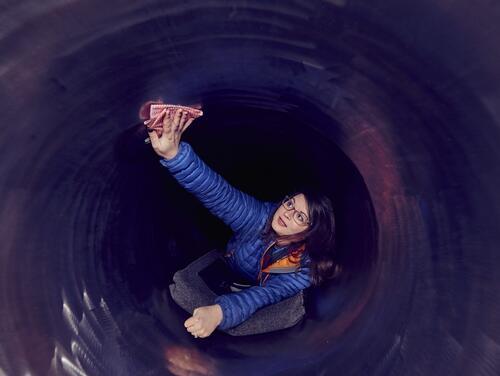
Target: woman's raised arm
237	209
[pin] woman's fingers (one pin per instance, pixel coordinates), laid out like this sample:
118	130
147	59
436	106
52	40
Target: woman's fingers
154	138
195	330
157	121
187	124
184	117
177	119
168	123
191	321
195	326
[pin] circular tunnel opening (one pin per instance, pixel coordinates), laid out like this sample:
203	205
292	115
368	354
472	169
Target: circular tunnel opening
158	227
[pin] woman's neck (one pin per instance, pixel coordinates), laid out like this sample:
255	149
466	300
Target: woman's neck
282	243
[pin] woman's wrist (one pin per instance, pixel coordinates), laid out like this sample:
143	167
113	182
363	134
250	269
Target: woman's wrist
170	155
220	315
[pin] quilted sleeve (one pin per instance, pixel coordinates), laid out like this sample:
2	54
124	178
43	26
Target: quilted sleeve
235	208
239	306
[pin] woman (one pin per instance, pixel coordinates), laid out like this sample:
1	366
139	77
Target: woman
282	247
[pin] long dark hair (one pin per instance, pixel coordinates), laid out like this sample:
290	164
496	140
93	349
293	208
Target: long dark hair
318	240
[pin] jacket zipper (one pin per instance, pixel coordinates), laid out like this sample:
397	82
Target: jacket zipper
270	272
262	260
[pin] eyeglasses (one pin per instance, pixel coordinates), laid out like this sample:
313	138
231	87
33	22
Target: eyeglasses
299	217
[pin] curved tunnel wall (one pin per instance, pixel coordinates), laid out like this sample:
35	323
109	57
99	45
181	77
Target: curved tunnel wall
391	107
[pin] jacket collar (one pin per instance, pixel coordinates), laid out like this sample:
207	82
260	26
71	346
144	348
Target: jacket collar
283	262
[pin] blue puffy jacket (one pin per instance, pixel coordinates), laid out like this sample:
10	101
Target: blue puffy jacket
246	216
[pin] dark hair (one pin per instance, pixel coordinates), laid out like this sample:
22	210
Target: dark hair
318	240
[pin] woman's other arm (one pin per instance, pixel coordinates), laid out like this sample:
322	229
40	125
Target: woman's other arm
239	306
232	309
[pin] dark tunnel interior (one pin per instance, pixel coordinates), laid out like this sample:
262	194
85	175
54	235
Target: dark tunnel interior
390	107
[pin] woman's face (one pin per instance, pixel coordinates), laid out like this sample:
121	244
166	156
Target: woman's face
283	222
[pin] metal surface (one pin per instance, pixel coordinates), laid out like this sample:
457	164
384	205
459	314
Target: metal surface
391	106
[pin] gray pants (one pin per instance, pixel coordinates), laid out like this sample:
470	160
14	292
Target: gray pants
190	291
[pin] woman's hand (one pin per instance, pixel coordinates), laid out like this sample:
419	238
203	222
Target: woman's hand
175	122
204	320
